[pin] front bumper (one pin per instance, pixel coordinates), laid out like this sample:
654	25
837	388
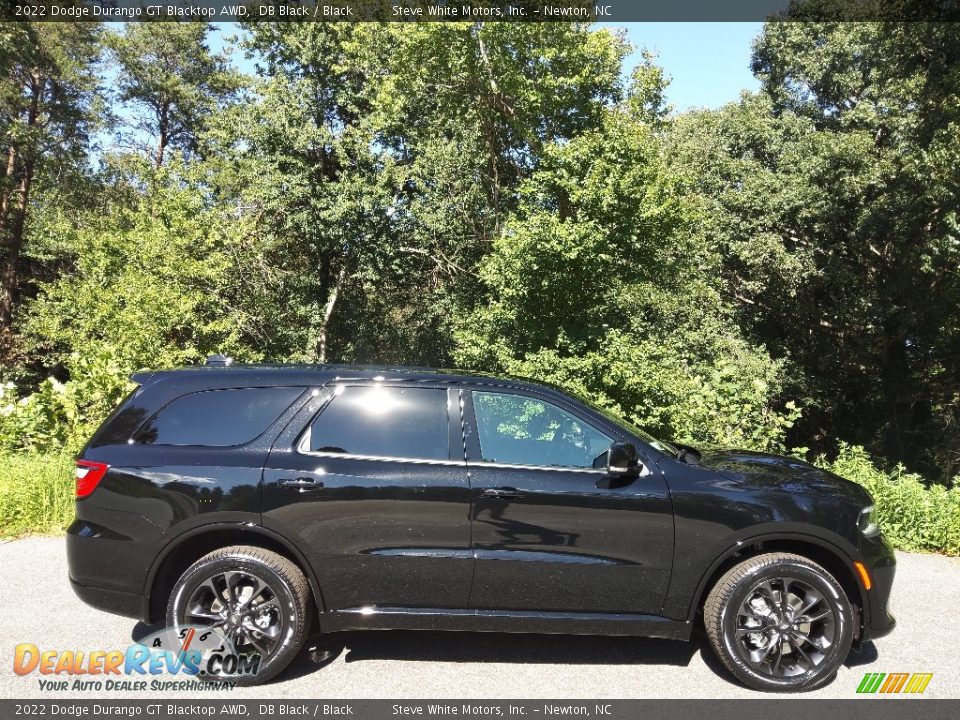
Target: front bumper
881	564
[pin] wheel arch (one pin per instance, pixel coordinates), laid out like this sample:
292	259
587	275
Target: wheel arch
190	546
829	556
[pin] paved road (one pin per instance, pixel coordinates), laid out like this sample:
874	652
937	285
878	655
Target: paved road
39	607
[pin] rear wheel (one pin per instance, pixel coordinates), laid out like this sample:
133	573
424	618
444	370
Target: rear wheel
255	598
779	622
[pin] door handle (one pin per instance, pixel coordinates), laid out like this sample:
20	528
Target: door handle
304	483
501	493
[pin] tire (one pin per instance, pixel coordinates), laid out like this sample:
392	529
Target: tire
784	653
227	578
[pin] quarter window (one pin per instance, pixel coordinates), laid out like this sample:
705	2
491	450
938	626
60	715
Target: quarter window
384	422
218	418
522	430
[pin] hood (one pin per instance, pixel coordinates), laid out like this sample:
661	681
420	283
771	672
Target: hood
776	472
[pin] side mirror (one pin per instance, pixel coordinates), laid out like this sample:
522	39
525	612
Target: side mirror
623	465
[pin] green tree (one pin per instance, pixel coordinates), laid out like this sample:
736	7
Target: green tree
47	96
600	282
150	284
171	81
377	169
833	195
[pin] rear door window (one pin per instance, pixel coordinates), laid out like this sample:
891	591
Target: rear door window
384	422
218	418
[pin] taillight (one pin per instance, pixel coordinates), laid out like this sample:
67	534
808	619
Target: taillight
89	475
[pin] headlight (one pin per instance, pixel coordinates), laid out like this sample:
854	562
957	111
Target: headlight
867	522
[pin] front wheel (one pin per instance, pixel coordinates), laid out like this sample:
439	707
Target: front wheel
252	597
779	622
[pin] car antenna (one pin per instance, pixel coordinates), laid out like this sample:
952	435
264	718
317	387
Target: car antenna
219	360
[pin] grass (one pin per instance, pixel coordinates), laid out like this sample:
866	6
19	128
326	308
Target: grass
36	493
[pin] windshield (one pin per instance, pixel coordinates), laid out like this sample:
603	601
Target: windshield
659	445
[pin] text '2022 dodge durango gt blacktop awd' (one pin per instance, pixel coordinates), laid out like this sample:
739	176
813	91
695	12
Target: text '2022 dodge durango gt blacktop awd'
264	503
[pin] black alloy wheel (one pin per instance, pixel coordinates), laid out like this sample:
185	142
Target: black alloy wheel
779	622
257	599
785	627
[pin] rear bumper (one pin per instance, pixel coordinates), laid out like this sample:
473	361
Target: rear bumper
110	600
107	568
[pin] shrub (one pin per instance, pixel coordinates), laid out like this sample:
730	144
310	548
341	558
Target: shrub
36	493
911	515
60	417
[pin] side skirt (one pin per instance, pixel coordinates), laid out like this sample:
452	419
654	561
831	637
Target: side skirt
519	621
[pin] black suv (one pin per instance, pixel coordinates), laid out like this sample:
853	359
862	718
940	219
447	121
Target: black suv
267	502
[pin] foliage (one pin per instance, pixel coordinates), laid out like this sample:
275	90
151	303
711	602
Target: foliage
36	493
833	196
48	110
171	80
598	284
151	286
62	416
911	515
377	160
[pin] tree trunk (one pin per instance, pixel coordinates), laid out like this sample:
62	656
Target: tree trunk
7	188
161	148
320	349
163	132
11	233
10	274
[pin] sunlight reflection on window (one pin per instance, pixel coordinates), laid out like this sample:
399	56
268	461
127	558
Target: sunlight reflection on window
378	401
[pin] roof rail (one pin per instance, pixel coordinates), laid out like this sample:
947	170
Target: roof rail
219	360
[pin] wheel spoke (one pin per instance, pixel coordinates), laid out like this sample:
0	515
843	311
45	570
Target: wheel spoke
233	601
779	660
810	600
258	588
204	614
784	595
270	604
797	646
815	618
765	590
805	639
232	580
209	586
261	647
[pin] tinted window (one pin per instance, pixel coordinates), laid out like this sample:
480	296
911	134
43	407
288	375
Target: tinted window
218	417
527	431
384	422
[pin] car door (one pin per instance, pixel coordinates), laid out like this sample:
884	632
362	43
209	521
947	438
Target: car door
546	536
368	484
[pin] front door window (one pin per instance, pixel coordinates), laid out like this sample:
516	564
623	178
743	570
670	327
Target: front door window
521	430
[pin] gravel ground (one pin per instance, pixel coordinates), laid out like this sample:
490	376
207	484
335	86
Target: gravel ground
41	609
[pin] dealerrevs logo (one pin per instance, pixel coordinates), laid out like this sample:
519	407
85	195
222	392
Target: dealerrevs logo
201	659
